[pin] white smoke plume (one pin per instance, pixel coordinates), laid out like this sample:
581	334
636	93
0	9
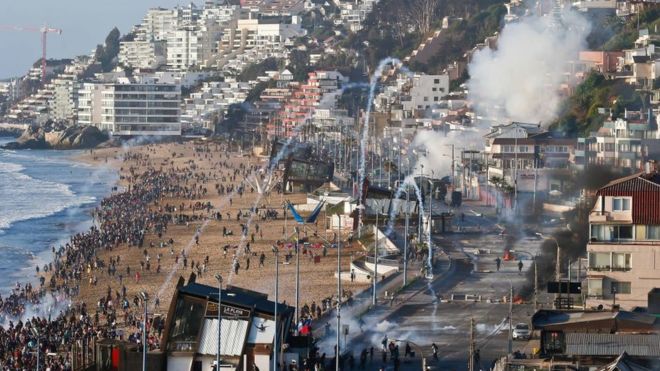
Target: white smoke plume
438	151
521	80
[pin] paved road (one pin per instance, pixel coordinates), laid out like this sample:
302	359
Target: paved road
423	313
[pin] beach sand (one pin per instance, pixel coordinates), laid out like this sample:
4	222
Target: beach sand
317	279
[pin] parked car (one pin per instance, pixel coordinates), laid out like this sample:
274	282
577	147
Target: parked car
522	332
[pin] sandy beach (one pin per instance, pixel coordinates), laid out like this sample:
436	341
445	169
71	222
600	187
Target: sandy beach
317	275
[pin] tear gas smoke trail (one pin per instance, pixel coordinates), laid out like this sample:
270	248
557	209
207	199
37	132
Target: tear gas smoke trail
365	130
409	180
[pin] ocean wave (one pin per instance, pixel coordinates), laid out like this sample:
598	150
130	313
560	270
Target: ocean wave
23	197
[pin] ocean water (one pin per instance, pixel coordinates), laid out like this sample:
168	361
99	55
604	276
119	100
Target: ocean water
45	197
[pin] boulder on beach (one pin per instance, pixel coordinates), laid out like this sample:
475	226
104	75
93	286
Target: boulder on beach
72	137
78	137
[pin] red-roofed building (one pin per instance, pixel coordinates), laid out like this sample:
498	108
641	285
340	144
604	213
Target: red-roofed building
624	245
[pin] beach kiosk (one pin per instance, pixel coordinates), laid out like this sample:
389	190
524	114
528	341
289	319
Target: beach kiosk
247	334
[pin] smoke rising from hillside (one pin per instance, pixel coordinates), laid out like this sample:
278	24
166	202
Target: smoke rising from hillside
521	80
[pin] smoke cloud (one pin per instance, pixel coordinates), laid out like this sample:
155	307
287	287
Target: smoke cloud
437	147
522	79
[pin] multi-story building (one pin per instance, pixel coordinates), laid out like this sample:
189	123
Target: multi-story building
252	31
132	107
90	105
64	103
528	155
183	47
624	143
143	54
426	91
353	13
320	91
624	245
210	103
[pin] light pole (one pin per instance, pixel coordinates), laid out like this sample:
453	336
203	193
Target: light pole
398	169
297	276
510	345
145	300
429	273
373	298
218	277
277	291
38	338
557	263
339	293
420	214
405	239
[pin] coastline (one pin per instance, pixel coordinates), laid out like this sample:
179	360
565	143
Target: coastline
26	239
184	208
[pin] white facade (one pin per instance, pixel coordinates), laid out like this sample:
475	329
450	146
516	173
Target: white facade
90	105
427	91
64	102
132	108
183	46
142	54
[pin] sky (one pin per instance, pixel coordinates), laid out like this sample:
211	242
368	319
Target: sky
85	23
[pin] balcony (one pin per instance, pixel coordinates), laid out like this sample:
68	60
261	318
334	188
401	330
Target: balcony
600	217
607	268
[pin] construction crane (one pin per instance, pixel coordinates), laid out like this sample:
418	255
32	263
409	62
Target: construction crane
44	31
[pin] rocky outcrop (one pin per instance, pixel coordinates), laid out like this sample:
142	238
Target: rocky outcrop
73	137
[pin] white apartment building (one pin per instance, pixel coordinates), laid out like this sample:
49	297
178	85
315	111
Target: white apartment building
158	23
183	47
212	101
142	54
64	102
90	105
265	32
624	143
427	91
624	246
353	13
132	108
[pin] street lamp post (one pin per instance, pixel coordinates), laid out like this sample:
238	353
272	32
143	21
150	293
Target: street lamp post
420	214
429	273
297	276
218	277
373	299
557	263
339	294
145	300
277	291
510	345
405	239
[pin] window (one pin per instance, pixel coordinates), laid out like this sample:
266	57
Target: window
620	261
188	315
595	287
434	89
436	81
621	287
623	232
621	204
653	232
600	232
599	260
